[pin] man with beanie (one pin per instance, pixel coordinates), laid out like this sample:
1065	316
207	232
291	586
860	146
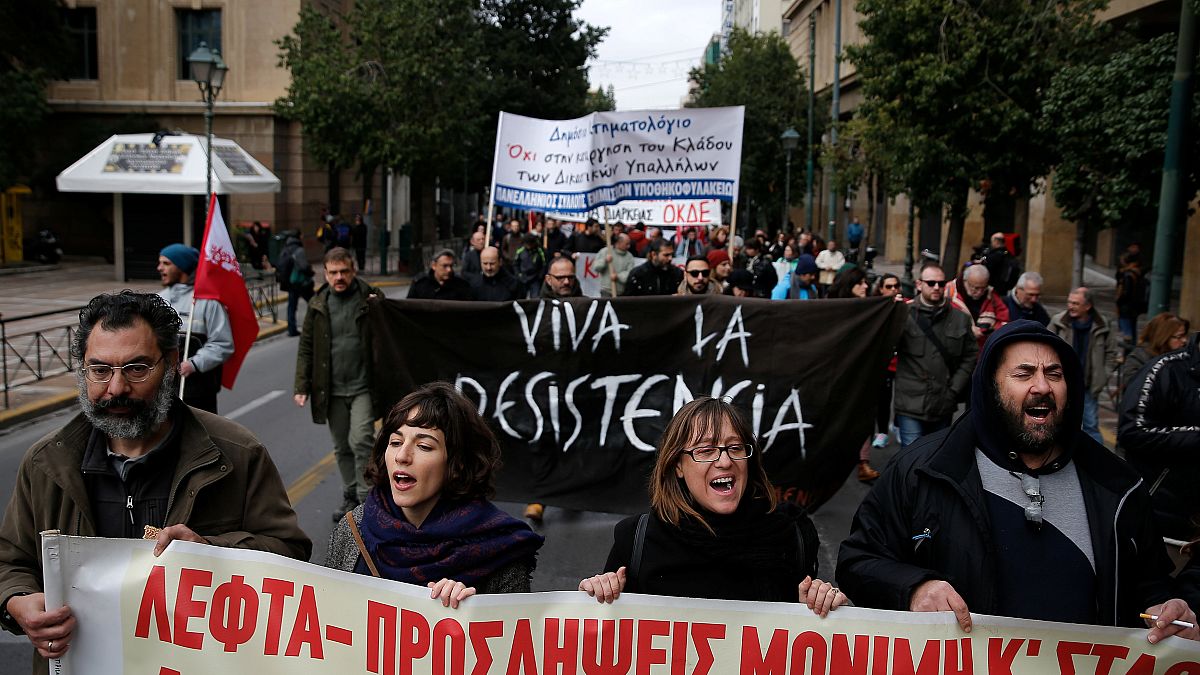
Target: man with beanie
1013	510
334	370
804	277
212	338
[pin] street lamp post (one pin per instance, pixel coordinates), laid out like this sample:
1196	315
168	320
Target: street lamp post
208	72
790	138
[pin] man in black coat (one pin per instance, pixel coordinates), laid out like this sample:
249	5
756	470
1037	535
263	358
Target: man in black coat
1160	432
1013	510
439	282
495	284
758	263
656	276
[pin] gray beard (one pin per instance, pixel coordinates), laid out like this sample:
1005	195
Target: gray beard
137	425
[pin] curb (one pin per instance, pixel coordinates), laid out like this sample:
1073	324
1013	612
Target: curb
37	408
65	399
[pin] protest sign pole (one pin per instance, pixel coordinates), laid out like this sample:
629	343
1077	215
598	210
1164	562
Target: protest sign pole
612	271
487	229
732	230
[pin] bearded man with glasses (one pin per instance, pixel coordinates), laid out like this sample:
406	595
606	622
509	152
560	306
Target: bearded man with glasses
136	463
933	360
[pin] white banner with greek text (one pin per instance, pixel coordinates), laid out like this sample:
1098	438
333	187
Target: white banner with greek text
573	166
200	609
658	213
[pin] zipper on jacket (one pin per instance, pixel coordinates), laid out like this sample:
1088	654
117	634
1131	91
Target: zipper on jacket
183	479
1117	555
129	508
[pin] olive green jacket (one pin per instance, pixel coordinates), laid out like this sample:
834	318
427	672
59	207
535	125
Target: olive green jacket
314	376
225	488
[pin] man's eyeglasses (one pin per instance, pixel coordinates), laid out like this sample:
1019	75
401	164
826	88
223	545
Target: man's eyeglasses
711	453
560	278
936	283
698	273
890	287
101	373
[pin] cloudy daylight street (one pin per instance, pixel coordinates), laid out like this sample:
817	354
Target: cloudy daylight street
666	258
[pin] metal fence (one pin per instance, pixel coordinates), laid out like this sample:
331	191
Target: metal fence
35	355
29	356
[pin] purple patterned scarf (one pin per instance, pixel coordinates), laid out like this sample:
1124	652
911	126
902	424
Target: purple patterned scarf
464	541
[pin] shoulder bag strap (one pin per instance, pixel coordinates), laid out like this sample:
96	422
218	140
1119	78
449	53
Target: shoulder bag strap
927	328
639	543
362	548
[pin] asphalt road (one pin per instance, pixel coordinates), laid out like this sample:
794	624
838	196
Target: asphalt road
577	542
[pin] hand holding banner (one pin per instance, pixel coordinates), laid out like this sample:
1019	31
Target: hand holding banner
203	609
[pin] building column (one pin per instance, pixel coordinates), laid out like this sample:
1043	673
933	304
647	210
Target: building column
1050	243
1189	293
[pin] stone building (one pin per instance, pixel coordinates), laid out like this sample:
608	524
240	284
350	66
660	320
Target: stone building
1048	237
130	74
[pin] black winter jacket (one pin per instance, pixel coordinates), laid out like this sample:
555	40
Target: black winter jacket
926	518
1160	432
649	279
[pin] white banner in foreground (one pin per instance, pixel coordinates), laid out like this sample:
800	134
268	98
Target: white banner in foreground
201	609
609	157
659	213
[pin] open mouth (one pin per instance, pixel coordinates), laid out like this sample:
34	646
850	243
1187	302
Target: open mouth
1039	412
722	485
403	481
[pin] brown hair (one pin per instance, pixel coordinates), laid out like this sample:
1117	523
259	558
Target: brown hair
338	254
472	452
702	418
1158	332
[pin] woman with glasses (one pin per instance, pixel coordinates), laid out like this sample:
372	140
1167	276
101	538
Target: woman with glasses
1165	333
715	528
427	520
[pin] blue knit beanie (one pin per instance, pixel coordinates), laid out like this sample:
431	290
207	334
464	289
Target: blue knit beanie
805	264
184	257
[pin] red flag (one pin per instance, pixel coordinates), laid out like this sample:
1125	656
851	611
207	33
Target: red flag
219	277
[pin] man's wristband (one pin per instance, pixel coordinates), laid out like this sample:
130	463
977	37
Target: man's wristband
9	621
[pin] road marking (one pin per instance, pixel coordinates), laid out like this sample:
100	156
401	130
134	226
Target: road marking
260	401
309	480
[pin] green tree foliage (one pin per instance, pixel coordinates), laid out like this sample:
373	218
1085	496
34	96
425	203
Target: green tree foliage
536	55
395	85
1110	119
955	86
601	99
32	45
760	73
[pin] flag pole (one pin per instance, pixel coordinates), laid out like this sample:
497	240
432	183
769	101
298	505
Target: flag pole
487	228
608	251
187	341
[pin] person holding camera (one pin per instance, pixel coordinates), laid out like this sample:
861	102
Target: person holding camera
971	293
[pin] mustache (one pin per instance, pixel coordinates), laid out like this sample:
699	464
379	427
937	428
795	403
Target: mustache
1046	400
134	404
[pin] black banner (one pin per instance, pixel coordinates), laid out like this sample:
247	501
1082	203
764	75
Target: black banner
579	391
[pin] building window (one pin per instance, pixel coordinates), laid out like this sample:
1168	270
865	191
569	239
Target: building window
80	24
196	26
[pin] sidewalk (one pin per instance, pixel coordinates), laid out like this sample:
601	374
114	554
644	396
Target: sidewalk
64	288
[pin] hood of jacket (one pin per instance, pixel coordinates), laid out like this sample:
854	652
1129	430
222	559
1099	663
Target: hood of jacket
991	433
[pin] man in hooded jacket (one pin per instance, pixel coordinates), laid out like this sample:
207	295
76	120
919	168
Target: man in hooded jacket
1013	510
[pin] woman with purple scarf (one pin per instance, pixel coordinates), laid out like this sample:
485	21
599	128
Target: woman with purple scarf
427	520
